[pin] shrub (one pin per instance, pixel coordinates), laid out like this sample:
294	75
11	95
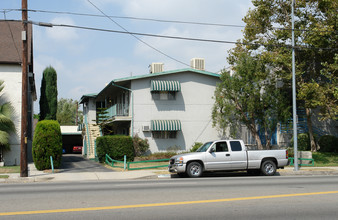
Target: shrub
196	146
141	146
328	143
303	141
47	141
116	146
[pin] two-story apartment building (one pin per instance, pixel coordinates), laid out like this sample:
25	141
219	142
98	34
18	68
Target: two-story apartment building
11	74
172	109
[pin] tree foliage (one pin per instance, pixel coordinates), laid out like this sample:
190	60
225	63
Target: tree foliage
268	33
67	112
249	96
6	124
49	93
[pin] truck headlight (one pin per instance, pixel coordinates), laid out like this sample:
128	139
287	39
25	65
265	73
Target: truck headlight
179	161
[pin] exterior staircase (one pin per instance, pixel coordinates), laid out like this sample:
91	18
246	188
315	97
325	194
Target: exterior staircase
301	125
92	132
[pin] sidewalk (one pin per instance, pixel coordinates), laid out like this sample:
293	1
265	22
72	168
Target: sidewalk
35	175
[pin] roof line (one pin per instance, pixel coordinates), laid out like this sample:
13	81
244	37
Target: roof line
158	74
166	73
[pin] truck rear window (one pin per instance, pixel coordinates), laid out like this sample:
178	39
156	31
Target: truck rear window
235	146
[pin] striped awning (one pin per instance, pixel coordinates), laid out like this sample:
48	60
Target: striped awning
80	127
164	85
165	125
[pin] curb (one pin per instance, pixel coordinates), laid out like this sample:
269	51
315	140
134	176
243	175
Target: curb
14	178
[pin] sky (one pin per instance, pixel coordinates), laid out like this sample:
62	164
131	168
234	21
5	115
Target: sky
86	60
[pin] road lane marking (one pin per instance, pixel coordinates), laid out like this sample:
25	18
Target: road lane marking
163	204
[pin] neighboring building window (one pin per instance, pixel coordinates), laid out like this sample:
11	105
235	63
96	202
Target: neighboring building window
163	95
164	134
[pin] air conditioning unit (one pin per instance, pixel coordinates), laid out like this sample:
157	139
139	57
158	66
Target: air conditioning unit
197	63
156	67
145	128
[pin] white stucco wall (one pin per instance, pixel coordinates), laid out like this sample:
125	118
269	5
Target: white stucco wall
193	106
70	129
11	75
90	111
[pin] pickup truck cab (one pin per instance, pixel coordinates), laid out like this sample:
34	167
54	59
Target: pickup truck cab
228	155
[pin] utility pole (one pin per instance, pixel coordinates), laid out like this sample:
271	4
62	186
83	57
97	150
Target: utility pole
24	35
294	106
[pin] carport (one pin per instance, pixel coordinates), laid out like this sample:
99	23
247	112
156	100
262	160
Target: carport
70	137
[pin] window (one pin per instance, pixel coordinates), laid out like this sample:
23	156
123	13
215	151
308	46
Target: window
235	146
164	134
163	95
221	147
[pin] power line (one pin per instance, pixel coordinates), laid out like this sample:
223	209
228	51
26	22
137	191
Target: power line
166	21
176	37
139	39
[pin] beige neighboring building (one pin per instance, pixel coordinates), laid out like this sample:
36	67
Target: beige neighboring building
11	74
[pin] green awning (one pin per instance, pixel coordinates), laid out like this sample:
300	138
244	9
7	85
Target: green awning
164	85
165	125
80	127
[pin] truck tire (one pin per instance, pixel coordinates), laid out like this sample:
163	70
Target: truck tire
194	169
268	168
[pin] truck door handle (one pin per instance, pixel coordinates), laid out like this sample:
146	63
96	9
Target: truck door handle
228	155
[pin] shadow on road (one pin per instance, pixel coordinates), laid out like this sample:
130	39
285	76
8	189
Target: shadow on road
76	163
222	174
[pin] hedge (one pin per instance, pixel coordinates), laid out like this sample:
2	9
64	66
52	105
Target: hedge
116	146
47	141
328	143
303	141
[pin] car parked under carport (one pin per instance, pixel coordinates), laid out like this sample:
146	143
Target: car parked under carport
71	137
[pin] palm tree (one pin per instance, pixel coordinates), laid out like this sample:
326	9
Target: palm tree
6	124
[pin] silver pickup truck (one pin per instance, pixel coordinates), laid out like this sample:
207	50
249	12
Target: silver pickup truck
228	155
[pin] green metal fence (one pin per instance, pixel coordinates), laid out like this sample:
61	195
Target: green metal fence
147	161
127	165
114	163
301	159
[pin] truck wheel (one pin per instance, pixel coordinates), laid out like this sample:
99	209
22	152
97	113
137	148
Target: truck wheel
194	169
268	168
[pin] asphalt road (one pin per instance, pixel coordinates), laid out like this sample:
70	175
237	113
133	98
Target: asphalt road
243	197
75	163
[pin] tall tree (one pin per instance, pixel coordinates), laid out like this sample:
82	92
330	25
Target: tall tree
68	113
249	96
6	124
268	32
49	93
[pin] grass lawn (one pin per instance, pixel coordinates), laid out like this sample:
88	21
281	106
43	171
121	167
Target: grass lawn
323	159
10	169
141	165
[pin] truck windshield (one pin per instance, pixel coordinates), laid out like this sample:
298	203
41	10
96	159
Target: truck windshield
204	147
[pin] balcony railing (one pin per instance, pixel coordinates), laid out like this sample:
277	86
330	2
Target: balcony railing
118	110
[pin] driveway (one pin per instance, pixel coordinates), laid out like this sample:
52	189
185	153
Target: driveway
76	163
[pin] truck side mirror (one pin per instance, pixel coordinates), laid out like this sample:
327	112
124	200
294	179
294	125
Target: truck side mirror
212	150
